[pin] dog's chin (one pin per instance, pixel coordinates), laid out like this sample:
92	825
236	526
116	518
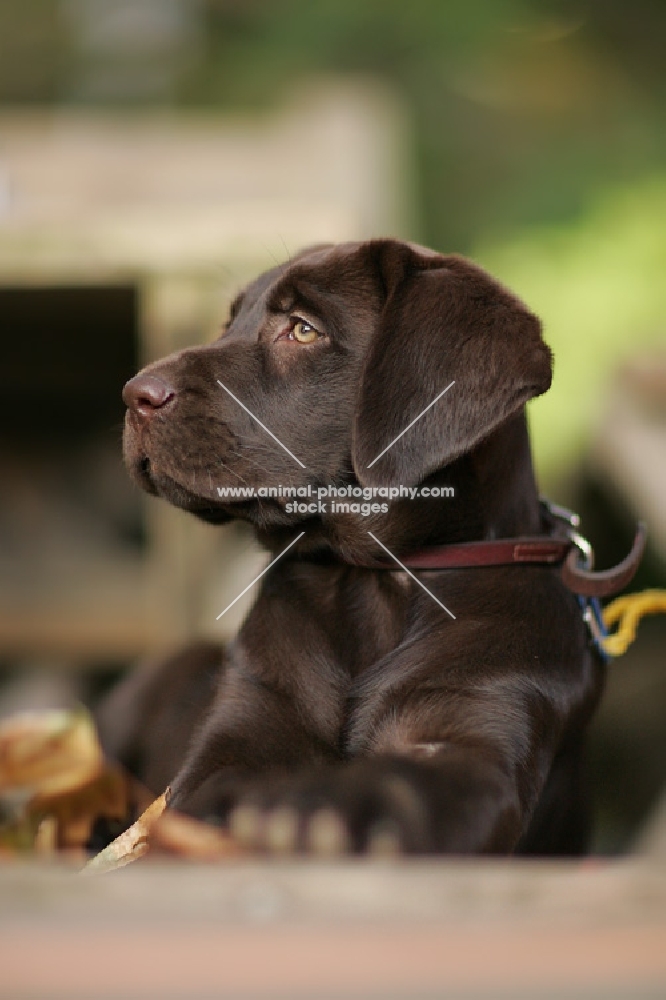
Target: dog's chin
204	508
178	495
266	515
139	469
212	515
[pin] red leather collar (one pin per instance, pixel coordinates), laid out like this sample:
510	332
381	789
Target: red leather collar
560	544
532	549
500	552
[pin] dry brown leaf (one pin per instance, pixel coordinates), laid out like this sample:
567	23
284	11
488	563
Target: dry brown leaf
55	782
49	752
56	758
18	835
76	810
46	836
131	844
180	836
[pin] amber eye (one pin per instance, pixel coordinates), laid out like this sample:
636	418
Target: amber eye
304	332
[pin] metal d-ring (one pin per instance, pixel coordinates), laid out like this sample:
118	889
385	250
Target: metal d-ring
572	521
585	549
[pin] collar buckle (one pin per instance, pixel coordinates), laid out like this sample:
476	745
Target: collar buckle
572	522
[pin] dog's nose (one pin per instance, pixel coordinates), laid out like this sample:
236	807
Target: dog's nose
145	393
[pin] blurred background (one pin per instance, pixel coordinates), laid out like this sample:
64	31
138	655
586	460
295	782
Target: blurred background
155	154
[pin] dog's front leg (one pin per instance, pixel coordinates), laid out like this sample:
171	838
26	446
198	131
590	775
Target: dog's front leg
251	730
435	772
456	802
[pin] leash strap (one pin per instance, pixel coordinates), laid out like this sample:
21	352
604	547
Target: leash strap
593	616
626	612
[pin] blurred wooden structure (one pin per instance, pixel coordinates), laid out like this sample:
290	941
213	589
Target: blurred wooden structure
628	453
312	931
123	238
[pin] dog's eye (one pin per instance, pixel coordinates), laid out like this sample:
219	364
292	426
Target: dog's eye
304	332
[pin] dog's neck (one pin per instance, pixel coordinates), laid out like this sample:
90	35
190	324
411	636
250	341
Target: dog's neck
507	487
494	496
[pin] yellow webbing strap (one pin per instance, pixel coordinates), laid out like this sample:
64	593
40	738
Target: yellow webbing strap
626	612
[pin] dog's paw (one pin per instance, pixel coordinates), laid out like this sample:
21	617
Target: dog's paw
370	807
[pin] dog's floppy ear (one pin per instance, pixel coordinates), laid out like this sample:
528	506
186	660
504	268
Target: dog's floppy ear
443	320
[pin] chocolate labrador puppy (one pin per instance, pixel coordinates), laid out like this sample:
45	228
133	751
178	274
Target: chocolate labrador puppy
356	710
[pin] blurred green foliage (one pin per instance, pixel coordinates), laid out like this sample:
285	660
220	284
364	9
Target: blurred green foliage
600	290
522	108
540	127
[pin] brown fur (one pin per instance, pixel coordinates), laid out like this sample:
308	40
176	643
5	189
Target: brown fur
349	688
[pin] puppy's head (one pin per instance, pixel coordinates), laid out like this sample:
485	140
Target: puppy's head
325	362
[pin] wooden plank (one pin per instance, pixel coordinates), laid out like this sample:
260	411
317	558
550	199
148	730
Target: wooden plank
407	929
